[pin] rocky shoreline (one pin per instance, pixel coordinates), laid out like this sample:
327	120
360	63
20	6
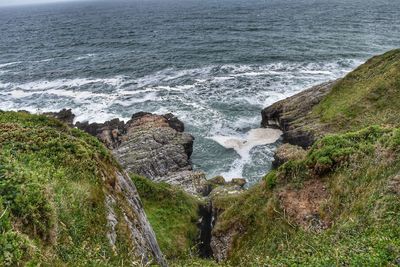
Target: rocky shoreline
157	147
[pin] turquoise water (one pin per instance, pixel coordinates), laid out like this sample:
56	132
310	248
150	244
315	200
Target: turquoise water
215	64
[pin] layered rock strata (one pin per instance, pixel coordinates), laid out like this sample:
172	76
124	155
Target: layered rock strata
154	146
290	115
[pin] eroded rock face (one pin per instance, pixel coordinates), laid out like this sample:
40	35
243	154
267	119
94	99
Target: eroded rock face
289	115
152	145
64	115
141	233
222	242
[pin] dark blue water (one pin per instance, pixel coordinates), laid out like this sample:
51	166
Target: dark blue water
215	64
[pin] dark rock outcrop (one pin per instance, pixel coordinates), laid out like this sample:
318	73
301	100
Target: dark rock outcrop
205	228
64	115
110	132
290	115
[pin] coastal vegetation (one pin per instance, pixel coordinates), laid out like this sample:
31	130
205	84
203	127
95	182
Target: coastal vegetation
352	203
53	185
173	215
334	203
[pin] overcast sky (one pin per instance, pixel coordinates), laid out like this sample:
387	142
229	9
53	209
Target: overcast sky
24	2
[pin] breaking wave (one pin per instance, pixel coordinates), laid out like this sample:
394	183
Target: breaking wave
219	104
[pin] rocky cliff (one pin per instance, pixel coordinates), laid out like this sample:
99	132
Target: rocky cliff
64	200
290	114
367	96
331	202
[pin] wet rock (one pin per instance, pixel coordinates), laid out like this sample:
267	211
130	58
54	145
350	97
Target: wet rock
289	115
174	122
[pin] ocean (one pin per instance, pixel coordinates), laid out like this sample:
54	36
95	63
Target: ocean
213	63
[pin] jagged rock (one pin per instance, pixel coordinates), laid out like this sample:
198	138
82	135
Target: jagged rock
221	242
174	122
141	233
288	152
109	133
64	115
289	114
154	146
220	245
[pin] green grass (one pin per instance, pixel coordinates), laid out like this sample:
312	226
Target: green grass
173	215
52	194
364	212
368	95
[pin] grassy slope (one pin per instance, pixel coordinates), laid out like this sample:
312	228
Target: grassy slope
173	215
358	170
52	195
368	95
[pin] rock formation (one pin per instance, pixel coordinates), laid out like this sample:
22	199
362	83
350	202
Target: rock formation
289	115
154	146
141	233
220	243
64	115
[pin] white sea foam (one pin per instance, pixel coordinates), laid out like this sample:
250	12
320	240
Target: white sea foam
137	98
85	56
215	102
243	146
42	85
9	64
